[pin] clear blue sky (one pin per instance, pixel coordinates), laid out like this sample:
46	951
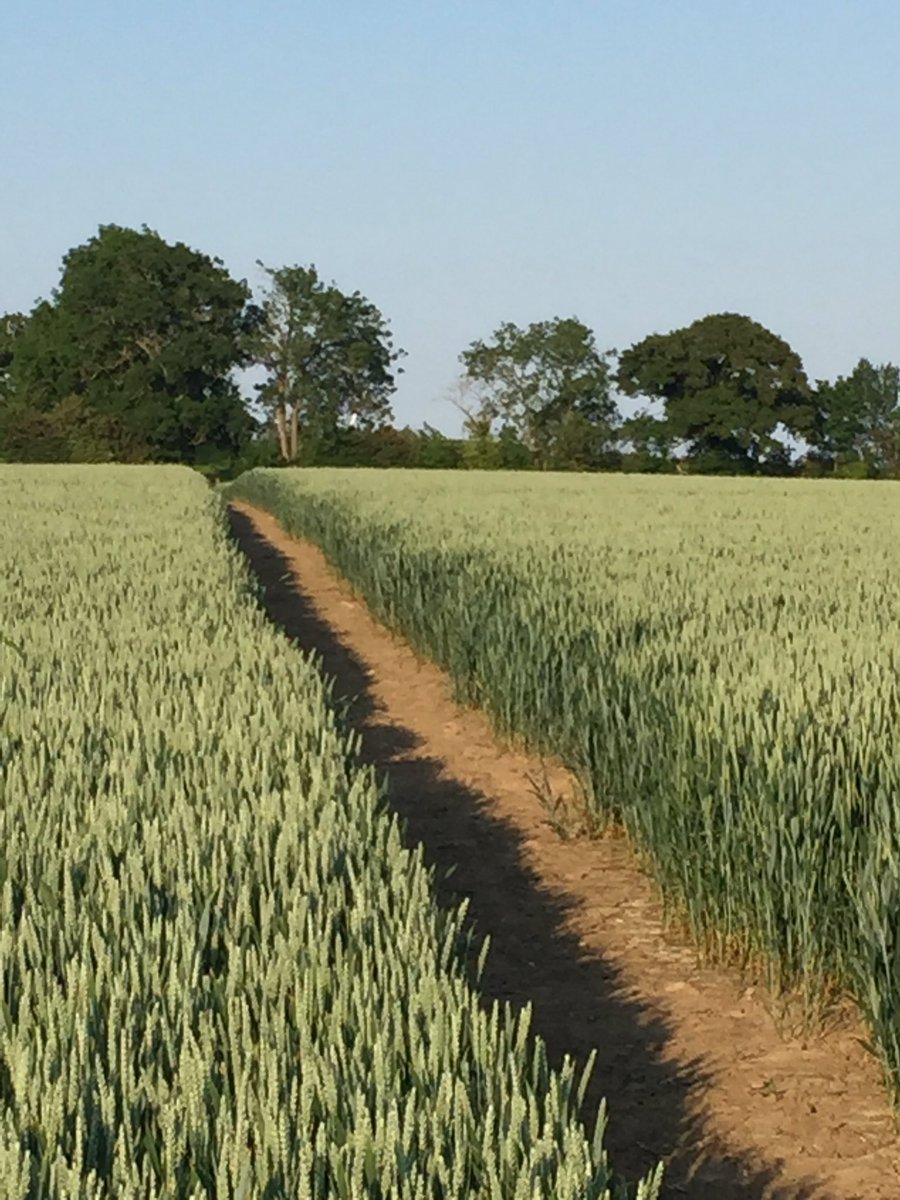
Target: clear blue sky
636	163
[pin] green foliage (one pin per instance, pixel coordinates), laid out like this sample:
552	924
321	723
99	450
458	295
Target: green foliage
12	325
720	460
224	977
813	466
484	449
550	384
581	445
646	444
859	421
512	453
642	462
437	451
140	339
328	357
70	431
481	450
384	447
728	385
644	434
855	470
679	643
218	466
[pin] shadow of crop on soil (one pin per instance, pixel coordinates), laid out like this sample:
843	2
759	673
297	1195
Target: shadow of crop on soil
579	1002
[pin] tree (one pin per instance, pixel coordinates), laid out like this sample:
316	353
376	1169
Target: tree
132	357
329	358
581	444
12	326
481	450
512	453
647	443
550	384
728	386
647	434
437	450
859	419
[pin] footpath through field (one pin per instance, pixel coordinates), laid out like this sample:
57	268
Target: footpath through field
691	1063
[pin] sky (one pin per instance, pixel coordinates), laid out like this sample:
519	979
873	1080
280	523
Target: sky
634	163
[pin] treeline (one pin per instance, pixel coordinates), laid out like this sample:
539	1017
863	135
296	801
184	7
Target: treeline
134	359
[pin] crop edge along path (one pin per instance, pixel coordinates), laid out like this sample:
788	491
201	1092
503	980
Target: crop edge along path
770	1117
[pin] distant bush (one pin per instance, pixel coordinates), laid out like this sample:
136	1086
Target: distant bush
855	470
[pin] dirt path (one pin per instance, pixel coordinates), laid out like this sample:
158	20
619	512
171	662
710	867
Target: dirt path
691	1063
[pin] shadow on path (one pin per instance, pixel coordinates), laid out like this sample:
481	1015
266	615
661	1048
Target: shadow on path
579	1001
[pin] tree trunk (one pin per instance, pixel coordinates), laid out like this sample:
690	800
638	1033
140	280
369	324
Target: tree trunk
281	426
295	433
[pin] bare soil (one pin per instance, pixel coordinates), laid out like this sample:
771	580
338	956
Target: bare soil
689	1057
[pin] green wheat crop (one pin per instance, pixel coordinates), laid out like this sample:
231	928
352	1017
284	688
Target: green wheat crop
718	659
223	975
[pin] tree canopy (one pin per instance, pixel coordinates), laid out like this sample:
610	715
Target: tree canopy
859	418
548	383
329	358
728	386
131	358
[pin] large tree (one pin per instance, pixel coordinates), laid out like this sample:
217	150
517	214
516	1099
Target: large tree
329	358
859	418
133	354
550	384
729	387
